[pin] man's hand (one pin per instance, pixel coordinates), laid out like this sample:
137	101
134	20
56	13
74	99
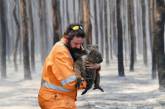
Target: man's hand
91	65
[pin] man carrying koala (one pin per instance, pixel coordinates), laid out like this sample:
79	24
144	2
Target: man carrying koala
59	78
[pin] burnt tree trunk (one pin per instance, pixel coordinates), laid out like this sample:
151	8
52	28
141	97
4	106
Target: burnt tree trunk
159	34
101	26
120	40
106	33
24	33
3	30
67	12
43	29
96	21
87	22
144	32
56	21
153	37
17	41
32	36
74	10
132	33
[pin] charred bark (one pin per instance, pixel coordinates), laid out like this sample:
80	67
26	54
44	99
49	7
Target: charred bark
56	21
32	41
3	39
131	27
159	34
24	33
87	22
144	32
120	40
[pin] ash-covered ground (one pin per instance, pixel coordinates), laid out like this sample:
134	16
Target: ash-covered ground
134	91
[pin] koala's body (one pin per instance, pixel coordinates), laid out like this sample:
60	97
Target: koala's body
92	76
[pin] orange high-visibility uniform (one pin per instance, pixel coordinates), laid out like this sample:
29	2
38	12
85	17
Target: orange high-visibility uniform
58	89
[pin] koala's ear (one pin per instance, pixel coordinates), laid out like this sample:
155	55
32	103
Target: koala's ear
89	46
95	47
92	47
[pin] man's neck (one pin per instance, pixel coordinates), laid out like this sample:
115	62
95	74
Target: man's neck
64	40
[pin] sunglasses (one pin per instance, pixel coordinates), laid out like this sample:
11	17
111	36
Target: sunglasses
77	27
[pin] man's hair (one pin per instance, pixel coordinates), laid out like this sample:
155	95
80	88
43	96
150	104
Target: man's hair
74	30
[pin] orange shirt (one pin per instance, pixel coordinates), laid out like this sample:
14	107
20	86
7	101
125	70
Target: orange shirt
58	71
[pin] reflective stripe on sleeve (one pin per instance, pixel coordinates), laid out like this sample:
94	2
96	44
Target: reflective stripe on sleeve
52	86
68	80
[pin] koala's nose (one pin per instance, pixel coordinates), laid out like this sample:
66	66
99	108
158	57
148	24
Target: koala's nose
84	51
101	60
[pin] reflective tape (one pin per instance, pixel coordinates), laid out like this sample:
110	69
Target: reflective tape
52	86
68	80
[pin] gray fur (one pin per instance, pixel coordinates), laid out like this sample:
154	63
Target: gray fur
92	76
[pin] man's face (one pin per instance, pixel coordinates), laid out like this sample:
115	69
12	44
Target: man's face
76	42
75	47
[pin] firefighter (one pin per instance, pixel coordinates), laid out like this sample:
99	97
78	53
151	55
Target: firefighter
58	82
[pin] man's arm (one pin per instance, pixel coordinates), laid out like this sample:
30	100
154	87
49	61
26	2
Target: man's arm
64	72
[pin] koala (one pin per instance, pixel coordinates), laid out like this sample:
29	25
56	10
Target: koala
92	76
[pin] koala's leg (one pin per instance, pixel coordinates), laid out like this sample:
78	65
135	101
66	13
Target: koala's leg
89	80
97	78
97	81
78	75
77	70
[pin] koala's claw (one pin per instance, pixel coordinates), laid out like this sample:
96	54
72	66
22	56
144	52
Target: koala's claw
98	88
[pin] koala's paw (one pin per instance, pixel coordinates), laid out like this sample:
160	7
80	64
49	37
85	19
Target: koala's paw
101	89
78	82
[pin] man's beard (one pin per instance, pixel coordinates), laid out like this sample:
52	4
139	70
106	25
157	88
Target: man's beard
75	53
